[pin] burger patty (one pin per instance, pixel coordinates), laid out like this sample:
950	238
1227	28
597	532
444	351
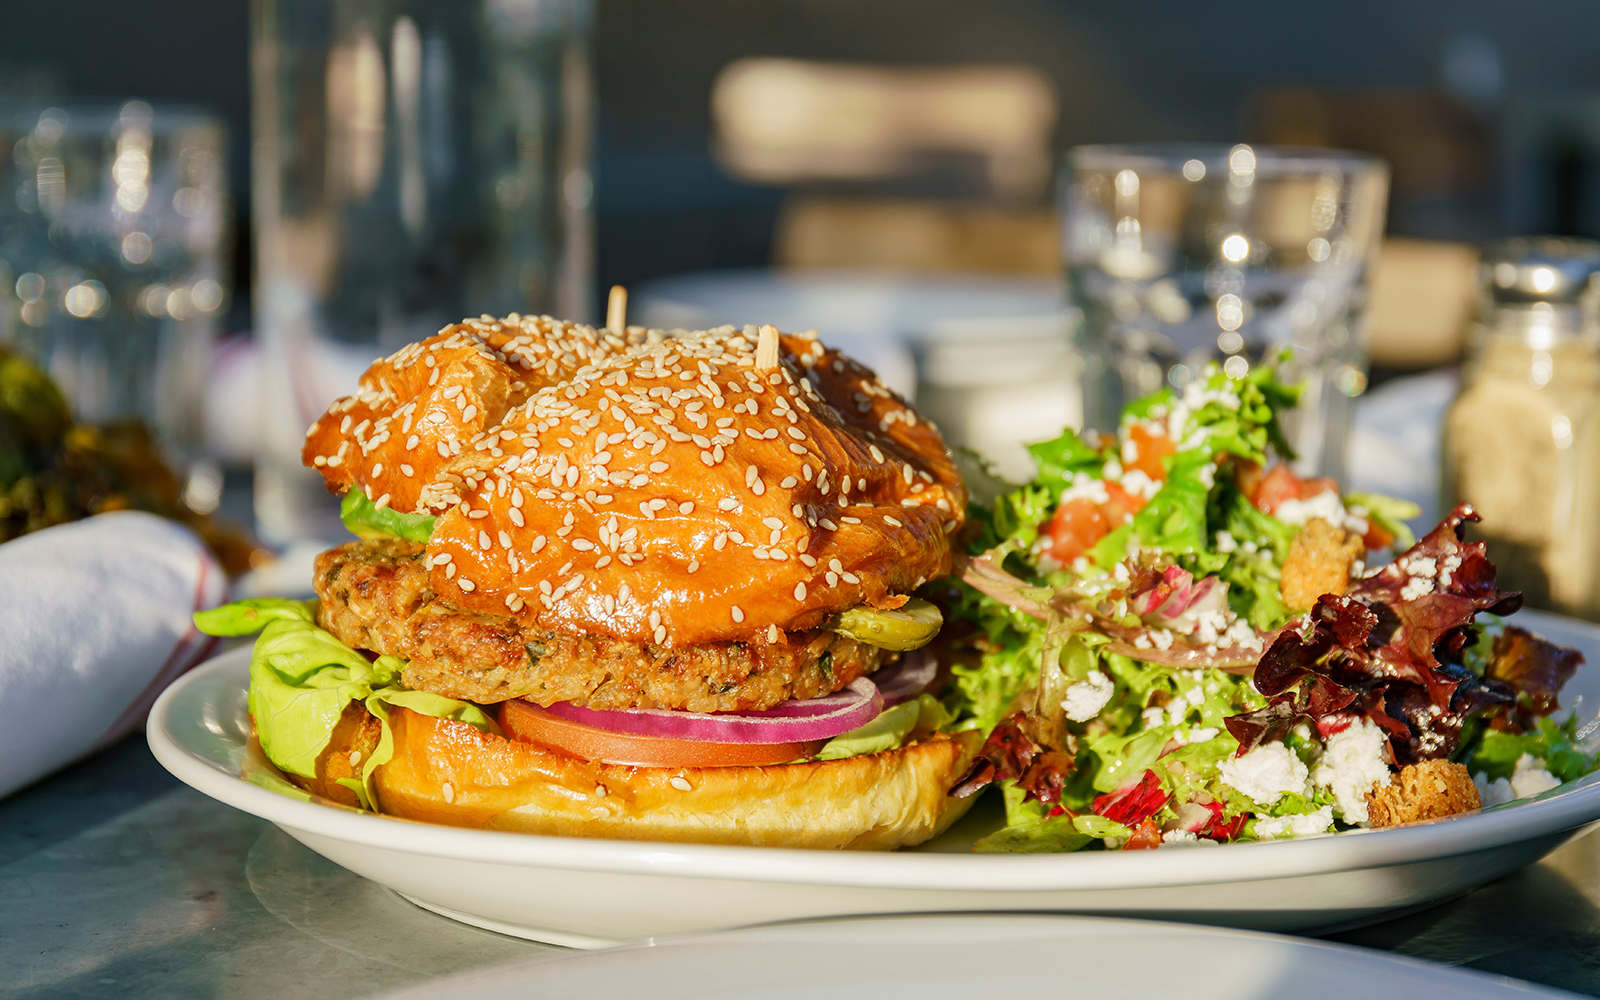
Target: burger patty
375	595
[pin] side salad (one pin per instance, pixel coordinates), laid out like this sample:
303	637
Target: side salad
1179	641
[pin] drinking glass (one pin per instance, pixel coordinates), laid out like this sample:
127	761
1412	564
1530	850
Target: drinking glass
1181	254
113	220
415	162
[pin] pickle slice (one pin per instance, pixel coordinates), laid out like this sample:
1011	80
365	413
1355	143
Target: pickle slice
908	627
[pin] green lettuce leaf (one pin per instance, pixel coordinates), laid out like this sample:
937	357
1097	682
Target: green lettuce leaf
1555	743
366	519
886	732
1060	459
301	679
1388	513
251	615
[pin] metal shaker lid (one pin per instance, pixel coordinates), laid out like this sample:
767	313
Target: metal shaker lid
1553	269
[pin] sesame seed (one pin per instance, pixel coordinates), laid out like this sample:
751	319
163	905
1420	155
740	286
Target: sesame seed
800	591
738	613
538	543
483	539
890	520
788	482
449	792
505	540
660	635
728	503
467	584
686	507
680	783
658	467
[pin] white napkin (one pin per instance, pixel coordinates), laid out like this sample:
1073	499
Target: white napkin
94	622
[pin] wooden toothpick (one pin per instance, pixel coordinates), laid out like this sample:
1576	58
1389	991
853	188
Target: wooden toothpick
767	348
617	309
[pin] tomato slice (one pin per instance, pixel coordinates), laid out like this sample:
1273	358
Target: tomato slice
527	722
1120	505
1282	484
1074	529
1376	537
1149	448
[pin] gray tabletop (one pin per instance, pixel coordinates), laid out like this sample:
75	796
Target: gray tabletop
117	881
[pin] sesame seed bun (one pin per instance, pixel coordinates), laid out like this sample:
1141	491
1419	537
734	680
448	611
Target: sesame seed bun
658	489
448	772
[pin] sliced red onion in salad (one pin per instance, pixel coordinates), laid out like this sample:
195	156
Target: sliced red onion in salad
791	722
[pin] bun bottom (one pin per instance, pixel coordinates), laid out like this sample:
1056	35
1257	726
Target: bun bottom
449	772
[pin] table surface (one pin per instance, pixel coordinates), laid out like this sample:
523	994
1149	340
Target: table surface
118	881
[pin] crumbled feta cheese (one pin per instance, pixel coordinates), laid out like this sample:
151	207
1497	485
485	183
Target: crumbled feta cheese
1266	772
1325	505
1087	698
1242	635
1529	777
1161	637
1153	717
1416	587
1225	542
1196	395
1202	733
1493	793
1207	474
1304	825
1351	764
1139	484
1183	838
1086	488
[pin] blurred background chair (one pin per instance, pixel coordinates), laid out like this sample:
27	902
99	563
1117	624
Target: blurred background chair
895	168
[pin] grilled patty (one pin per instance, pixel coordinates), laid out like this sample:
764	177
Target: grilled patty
375	595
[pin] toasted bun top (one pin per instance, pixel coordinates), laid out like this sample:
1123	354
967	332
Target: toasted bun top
417	409
670	491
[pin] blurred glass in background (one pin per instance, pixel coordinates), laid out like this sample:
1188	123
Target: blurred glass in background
414	162
113	220
1183	254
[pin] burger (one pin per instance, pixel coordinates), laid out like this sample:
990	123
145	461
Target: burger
623	583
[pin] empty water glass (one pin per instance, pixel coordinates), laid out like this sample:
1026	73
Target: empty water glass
112	227
1183	254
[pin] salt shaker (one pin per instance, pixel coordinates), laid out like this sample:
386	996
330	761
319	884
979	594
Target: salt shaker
1522	438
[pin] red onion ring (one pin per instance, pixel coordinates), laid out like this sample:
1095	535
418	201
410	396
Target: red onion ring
913	674
791	722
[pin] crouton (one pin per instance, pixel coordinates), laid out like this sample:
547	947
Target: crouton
1319	563
1432	789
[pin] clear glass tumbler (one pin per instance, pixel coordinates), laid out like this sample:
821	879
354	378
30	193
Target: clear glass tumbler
414	162
113	222
1182	254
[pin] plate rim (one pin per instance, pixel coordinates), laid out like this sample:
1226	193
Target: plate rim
1558	811
803	933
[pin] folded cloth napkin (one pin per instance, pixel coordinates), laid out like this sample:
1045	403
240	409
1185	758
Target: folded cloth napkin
94	623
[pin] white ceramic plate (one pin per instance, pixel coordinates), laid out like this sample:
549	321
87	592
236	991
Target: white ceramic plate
590	893
970	957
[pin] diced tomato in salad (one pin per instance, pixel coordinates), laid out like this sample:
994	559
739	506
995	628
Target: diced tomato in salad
1281	484
1268	492
1078	524
1074	529
1146	446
